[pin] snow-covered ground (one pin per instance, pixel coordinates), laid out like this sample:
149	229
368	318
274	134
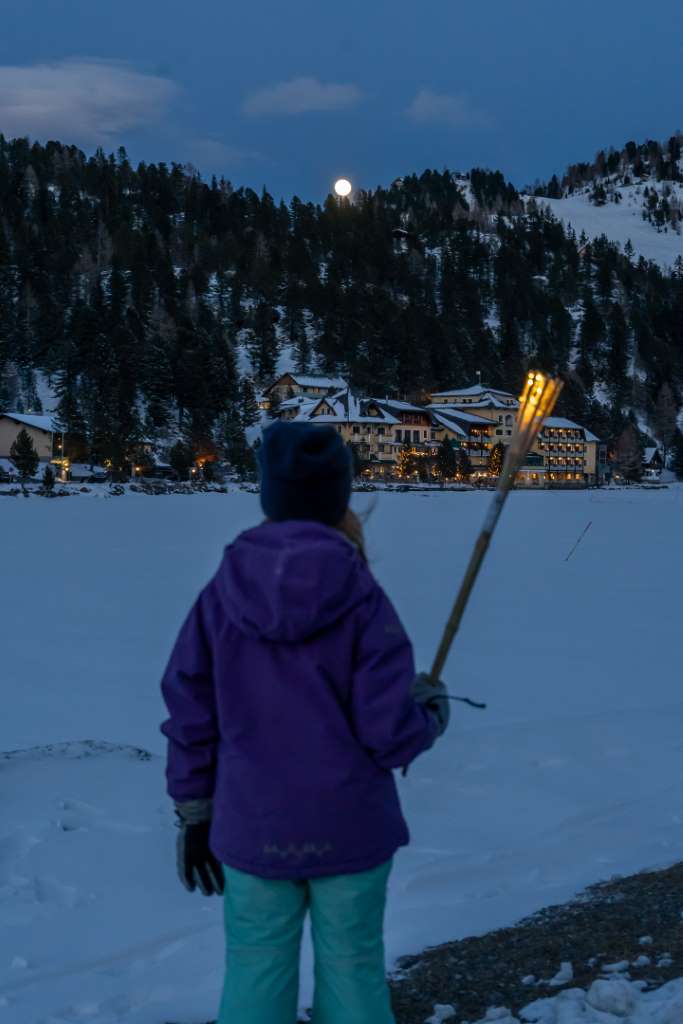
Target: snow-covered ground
608	1001
571	776
620	222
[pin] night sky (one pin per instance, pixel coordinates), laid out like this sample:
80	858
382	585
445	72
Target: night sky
292	95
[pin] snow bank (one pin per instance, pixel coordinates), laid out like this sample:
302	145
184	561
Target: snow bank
606	1002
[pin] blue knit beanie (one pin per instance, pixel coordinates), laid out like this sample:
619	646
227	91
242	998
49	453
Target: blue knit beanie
305	473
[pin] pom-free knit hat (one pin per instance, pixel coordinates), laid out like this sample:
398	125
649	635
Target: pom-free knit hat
305	473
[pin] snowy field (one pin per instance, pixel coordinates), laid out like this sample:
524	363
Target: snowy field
571	776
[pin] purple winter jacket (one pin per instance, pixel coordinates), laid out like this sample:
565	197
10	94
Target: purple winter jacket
289	698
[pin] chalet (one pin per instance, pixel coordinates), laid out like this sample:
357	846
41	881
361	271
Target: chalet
292	385
41	430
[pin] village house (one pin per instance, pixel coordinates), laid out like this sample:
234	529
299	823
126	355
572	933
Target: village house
293	385
363	422
41	430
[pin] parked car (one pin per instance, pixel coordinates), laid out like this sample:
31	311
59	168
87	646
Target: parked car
82	473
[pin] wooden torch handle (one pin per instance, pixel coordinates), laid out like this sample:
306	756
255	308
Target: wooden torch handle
470	577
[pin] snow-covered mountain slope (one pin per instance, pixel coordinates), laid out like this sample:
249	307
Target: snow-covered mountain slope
570	776
622	221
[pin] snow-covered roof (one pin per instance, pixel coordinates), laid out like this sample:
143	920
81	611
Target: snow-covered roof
346	408
491	402
310	380
8	467
473	391
45	423
458	412
395	403
449	424
558	422
649	454
313	381
298	400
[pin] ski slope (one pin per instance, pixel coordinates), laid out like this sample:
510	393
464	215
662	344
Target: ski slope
620	222
571	776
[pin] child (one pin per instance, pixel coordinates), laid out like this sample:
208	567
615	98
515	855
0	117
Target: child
292	696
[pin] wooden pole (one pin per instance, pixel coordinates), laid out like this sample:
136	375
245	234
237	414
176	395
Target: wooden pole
469	579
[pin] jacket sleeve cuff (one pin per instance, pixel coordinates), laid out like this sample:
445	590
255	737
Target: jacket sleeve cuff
193	812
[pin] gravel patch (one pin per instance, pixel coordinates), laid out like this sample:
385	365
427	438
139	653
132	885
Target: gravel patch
630	927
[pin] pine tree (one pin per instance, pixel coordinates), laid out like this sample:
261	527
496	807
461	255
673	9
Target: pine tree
24	456
48	479
236	448
263	345
591	336
496	459
446	460
678	455
249	410
464	469
629	455
666	418
617	358
405	465
181	459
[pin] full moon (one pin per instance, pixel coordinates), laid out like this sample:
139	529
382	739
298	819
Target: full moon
343	187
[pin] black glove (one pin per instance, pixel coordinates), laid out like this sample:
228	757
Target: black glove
197	866
434	696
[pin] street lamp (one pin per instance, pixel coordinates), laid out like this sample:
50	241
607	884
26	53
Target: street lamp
343	187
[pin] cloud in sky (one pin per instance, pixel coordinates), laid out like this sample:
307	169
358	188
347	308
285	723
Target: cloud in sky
301	96
91	101
428	107
213	154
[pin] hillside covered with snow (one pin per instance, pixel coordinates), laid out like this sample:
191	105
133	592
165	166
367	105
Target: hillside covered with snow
623	221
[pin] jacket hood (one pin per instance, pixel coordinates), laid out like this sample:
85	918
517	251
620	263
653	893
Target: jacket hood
287	581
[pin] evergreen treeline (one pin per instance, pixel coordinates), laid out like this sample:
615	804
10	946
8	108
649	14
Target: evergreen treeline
140	291
652	160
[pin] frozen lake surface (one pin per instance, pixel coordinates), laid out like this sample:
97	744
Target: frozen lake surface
572	775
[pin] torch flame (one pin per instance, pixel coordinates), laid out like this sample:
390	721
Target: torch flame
536	402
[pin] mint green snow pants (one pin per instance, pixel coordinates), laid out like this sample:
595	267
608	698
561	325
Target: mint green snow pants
263	926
